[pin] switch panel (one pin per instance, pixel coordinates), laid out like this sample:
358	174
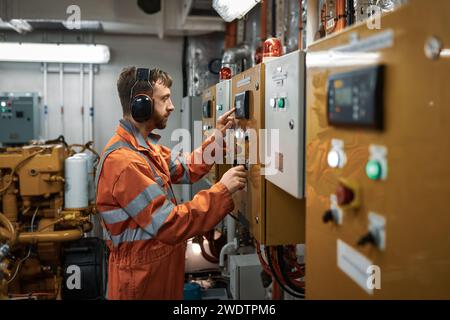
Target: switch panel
285	112
223	97
19	117
355	99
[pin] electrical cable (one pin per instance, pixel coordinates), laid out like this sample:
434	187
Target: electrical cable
11	175
29	249
286	278
269	260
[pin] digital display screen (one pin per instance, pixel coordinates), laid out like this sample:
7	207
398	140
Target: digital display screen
343	97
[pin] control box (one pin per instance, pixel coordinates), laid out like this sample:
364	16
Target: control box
19	117
285	114
377	224
191	112
245	277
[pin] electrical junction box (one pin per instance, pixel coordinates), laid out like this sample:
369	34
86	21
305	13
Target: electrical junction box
223	97
191	112
19	117
245	277
285	112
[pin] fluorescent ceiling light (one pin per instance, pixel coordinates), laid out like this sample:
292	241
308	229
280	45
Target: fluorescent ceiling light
20	25
232	9
49	52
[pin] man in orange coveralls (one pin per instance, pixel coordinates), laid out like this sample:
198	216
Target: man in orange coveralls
146	227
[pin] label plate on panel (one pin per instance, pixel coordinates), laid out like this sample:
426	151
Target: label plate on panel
354	265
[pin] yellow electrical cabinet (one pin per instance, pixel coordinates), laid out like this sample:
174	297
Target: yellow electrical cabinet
377	158
274	216
247	96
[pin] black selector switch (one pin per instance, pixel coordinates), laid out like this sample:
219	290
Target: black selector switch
207	109
328	216
369	238
242	104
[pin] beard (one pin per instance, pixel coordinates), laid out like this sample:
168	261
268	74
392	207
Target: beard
161	122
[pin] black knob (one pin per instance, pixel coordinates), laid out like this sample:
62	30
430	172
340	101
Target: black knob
328	216
366	239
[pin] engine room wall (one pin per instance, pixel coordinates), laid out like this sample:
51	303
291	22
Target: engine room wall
125	51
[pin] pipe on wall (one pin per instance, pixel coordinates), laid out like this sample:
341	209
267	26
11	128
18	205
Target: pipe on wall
46	128
91	103
83	130
61	96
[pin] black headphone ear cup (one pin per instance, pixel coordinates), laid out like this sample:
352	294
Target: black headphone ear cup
142	108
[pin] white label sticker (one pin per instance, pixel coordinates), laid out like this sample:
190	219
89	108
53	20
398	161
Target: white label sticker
354	264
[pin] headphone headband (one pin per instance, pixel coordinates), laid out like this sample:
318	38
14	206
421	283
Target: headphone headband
143	74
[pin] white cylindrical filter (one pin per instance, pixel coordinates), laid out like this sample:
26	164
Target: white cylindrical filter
90	158
76	176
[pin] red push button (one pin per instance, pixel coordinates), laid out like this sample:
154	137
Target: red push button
345	195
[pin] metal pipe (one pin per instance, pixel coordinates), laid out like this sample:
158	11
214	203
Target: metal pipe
82	103
263	21
9	207
51	236
233	55
46	122
91	103
10	229
61	95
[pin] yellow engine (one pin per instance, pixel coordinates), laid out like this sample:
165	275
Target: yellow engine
35	218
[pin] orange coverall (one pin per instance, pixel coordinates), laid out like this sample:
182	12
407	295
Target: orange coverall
146	228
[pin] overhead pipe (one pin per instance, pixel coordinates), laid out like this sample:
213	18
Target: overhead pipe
83	130
61	95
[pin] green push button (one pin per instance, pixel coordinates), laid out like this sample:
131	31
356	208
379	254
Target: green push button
374	170
219	107
281	103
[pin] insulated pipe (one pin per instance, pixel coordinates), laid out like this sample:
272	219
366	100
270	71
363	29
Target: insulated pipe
61	94
91	103
233	55
46	122
83	130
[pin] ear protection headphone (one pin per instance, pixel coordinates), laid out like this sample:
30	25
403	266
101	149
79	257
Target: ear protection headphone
141	103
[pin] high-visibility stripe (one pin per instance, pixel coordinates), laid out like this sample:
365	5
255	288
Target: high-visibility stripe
158	218
174	166
139	203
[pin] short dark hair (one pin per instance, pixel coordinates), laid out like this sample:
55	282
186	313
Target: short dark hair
127	79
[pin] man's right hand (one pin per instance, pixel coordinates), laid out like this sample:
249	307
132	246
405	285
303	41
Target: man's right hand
235	179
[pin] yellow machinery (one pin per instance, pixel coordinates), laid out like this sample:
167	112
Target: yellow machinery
33	223
378	154
274	216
